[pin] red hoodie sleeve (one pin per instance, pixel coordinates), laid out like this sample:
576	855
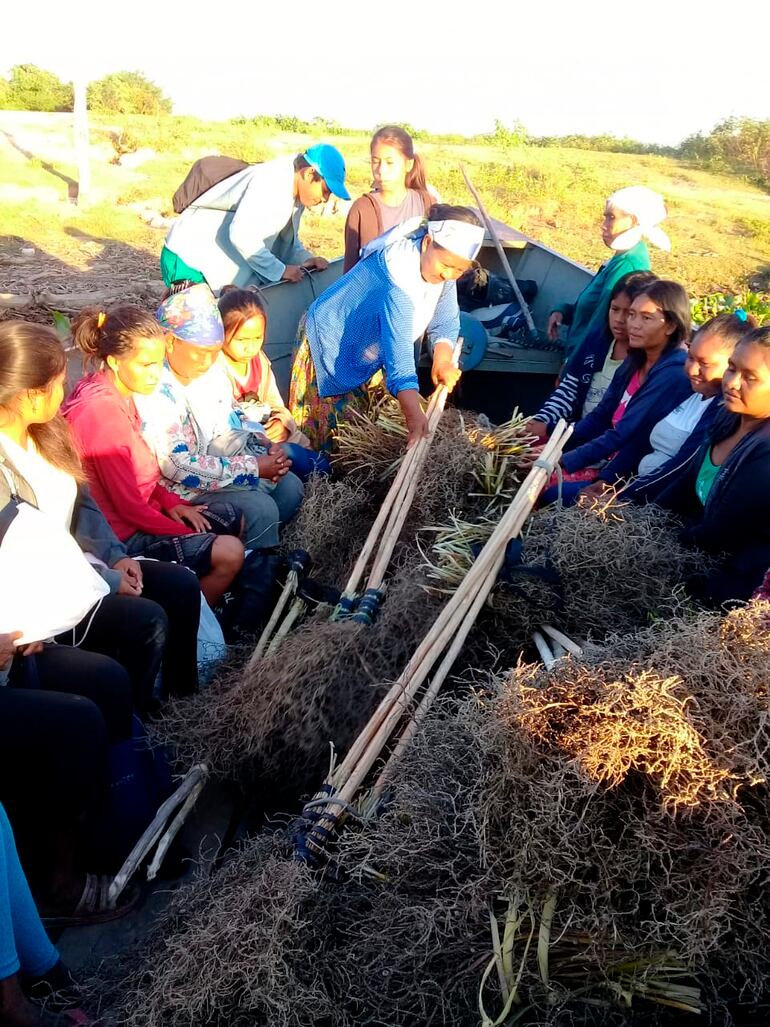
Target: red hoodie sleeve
120	498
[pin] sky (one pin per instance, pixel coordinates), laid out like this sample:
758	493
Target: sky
655	71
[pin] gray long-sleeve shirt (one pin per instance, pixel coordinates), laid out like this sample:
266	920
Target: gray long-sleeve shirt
244	230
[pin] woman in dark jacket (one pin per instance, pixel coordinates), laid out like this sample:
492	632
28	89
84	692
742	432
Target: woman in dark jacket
723	492
608	443
589	371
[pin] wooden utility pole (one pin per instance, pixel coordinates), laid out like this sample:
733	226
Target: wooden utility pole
81	139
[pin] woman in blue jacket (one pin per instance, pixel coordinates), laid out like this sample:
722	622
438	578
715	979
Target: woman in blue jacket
589	371
609	442
723	492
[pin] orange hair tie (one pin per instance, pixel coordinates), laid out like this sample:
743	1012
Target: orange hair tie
101	319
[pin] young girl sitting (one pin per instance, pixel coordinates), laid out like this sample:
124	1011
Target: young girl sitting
129	346
254	388
400	191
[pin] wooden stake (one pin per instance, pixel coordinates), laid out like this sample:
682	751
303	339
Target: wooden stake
500	252
152	833
448	629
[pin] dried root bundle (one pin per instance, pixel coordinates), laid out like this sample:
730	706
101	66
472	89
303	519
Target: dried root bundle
472	466
276	720
592	571
331	525
563	844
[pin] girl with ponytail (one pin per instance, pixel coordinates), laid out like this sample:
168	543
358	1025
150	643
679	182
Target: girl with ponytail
400	191
128	346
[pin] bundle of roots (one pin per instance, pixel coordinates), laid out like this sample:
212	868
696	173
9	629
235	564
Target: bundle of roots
557	845
591	570
332	525
280	719
471	467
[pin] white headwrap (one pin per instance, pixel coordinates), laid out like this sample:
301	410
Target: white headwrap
458	237
648	208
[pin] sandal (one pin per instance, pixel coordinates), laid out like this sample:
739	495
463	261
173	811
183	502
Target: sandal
95	906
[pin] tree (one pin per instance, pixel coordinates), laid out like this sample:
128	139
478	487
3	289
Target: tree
740	144
30	88
127	92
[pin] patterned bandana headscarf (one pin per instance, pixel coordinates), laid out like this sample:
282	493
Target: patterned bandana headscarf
193	316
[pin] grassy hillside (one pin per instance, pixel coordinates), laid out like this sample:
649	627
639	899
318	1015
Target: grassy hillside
719	225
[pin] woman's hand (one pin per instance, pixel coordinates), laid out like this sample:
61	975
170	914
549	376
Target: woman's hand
537	428
273	466
444	370
275	430
554	323
130	576
593	492
191	515
292	273
416	421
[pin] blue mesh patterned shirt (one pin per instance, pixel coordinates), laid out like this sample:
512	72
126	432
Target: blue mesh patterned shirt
371	318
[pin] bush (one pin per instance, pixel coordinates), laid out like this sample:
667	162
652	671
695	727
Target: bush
127	92
755	303
30	88
740	145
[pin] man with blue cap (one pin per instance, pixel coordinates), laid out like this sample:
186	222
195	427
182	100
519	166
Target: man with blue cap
245	229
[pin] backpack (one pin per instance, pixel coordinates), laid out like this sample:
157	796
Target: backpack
205	172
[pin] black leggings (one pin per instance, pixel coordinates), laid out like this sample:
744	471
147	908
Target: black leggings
61	710
158	631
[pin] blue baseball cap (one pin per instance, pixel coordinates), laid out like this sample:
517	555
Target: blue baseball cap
330	165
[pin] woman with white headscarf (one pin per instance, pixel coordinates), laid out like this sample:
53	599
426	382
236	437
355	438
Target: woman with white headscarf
370	319
631	215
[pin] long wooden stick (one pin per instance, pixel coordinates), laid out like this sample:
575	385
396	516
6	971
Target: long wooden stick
564	640
476	572
500	251
153	832
289	587
480	579
401	491
399	513
173	830
460	636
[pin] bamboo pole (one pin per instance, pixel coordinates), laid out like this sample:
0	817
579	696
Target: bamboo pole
476	572
543	650
152	833
399	497
399	513
500	252
564	640
290	586
445	630
173	830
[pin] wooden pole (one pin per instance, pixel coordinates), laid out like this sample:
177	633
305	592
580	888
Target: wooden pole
500	252
81	140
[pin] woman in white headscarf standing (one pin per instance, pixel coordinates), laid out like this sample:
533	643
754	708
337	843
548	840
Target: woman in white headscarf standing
631	215
369	321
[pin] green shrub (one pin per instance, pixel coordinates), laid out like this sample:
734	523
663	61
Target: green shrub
755	303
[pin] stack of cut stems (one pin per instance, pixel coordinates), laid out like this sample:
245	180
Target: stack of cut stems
446	636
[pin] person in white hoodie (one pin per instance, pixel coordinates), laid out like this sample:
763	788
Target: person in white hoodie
245	230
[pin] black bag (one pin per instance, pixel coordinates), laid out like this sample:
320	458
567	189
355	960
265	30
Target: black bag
202	175
480	288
